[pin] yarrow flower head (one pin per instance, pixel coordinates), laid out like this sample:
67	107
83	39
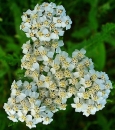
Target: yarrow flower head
46	22
92	92
55	75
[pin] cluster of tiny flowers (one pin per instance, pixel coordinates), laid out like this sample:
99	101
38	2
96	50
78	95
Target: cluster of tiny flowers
55	75
47	21
25	105
92	87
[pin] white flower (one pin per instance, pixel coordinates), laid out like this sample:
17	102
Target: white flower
80	92
67	21
104	76
44	34
59	22
13	117
34	95
86	81
43	92
47	117
35	66
16	85
20	97
37	118
76	74
21	116
108	84
12	100
54	66
46	81
37	109
31	33
39	9
55	46
79	105
29	87
62	106
88	63
25	26
27	47
25	106
46	22
79	54
56	33
60	10
30	122
8	108
29	62
43	53
94	74
62	57
71	91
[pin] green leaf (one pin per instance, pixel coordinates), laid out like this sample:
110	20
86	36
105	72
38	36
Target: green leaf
98	54
3	64
97	38
10	59
103	122
93	23
110	40
17	20
82	32
19	73
2	53
11	45
12	124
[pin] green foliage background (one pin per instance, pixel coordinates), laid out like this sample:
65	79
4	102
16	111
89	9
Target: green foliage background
93	28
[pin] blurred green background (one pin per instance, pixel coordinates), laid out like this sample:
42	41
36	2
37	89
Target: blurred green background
93	28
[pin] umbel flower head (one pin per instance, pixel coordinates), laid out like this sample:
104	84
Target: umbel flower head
54	81
54	75
46	22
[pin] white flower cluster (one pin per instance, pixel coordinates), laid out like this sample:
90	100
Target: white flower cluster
47	21
93	87
55	75
25	105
